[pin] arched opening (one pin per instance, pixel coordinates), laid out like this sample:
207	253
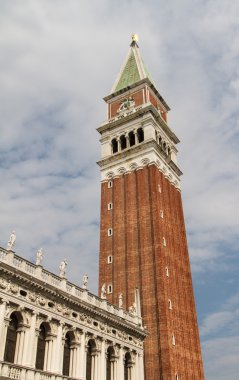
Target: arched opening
11	339
140	135
110	363
114	144
91	349
123	143
131	138
127	366
67	355
41	346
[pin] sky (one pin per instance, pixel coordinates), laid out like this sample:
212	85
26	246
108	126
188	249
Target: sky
58	59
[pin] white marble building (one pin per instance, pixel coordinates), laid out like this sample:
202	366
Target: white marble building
51	329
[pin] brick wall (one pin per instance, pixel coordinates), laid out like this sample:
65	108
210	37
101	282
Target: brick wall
139	260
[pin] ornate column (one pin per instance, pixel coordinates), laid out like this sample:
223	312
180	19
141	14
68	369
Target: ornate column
3	328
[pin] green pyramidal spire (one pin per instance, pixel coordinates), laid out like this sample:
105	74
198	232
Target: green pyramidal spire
133	70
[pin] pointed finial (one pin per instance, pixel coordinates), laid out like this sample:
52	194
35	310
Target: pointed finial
135	39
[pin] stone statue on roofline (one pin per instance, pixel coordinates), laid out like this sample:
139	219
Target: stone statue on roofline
103	291
11	241
132	309
85	281
120	300
62	268
39	256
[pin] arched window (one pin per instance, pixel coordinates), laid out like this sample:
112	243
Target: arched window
127	366
91	349
123	143
41	346
67	355
140	135
114	144
11	339
110	363
131	138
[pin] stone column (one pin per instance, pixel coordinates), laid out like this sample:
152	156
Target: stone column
3	329
29	346
141	365
120	364
19	345
56	364
82	354
102	359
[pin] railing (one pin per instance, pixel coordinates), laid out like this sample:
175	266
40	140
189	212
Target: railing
18	372
61	283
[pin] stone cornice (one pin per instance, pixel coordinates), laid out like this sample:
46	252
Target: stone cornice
137	112
138	156
83	301
134	85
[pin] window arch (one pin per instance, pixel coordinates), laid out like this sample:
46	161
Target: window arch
123	142
140	135
11	339
67	354
41	346
91	349
127	366
114	144
131	138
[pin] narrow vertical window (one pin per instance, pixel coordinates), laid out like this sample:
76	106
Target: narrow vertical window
164	242
170	306
110	289
110	184
161	214
114	144
131	138
110	206
176	376
11	339
159	189
123	142
110	231
110	259
140	135
173	340
167	271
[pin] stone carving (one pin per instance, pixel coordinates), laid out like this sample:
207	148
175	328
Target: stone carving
103	291
85	281
11	241
62	268
41	301
32	297
59	307
39	256
13	288
126	104
132	309
3	283
120	300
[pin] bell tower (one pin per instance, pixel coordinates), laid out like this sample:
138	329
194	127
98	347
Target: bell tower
143	241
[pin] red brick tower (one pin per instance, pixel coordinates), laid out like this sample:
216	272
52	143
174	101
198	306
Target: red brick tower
143	241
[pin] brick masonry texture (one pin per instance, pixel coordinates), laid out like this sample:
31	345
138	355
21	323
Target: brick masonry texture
140	259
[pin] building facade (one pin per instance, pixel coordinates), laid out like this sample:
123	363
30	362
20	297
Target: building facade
143	241
51	329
